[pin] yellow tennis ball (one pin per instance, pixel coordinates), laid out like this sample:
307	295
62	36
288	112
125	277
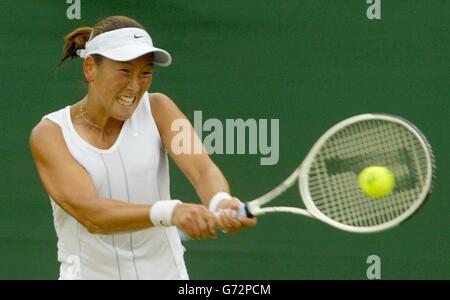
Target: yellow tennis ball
376	181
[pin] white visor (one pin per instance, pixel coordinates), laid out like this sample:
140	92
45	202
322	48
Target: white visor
125	44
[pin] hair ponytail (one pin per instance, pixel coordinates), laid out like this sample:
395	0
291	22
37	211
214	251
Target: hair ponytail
74	41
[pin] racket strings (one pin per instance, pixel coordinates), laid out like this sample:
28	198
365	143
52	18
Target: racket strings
381	212
377	213
333	183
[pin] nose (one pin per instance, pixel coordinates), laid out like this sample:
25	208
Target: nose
133	86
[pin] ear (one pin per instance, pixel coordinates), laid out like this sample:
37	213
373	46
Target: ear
89	69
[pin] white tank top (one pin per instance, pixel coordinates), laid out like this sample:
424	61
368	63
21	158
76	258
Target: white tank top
135	170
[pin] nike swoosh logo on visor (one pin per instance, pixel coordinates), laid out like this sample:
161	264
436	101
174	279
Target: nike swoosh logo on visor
138	36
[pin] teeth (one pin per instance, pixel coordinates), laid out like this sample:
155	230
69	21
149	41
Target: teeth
124	100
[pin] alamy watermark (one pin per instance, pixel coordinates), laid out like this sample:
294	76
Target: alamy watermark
374	10
74	9
236	136
374	269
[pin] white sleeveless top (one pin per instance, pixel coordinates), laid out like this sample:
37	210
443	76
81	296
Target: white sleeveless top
135	170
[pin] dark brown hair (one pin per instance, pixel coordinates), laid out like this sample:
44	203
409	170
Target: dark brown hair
77	39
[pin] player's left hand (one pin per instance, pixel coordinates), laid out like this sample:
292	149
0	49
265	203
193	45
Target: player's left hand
228	219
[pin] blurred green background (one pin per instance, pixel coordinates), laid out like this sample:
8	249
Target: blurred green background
308	63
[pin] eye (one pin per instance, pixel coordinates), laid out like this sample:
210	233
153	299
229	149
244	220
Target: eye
147	73
125	71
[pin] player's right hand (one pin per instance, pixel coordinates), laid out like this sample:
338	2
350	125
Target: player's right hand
195	220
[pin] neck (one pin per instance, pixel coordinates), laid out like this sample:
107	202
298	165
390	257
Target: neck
94	115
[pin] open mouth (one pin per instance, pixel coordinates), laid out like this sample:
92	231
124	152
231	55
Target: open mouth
126	101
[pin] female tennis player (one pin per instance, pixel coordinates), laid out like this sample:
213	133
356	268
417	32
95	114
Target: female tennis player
104	165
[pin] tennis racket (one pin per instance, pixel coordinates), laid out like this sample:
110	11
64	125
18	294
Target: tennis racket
328	176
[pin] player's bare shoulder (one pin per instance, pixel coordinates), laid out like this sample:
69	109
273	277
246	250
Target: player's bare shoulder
160	102
164	111
44	137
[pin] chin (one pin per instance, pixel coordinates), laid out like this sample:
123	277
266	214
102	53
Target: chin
124	116
122	112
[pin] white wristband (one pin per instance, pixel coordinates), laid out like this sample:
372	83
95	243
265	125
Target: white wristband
161	212
216	199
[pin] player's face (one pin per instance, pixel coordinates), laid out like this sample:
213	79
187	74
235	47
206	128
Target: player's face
120	85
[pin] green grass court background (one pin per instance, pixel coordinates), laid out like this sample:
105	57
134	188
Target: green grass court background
309	63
